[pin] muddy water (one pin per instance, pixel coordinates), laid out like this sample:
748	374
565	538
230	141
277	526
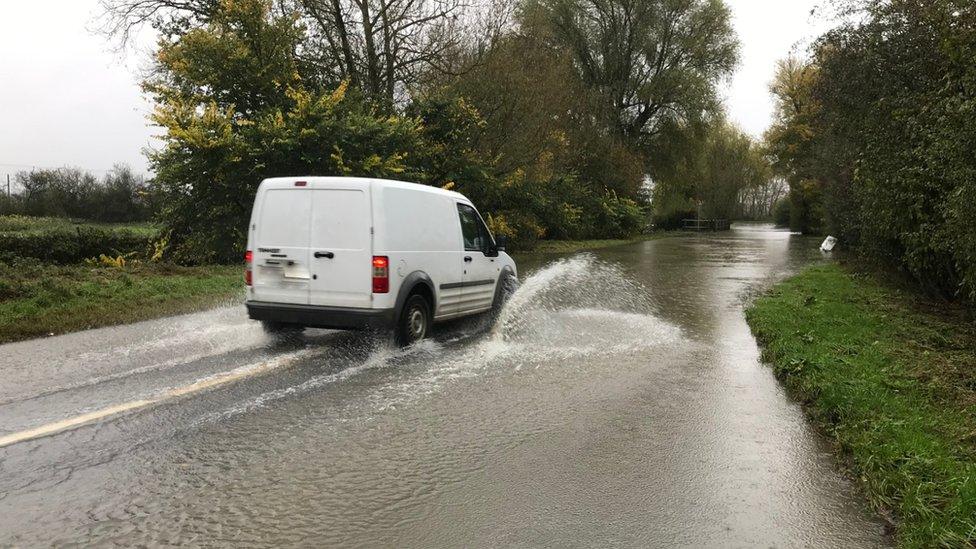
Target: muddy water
619	401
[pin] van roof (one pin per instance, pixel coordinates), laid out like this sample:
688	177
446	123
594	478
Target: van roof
289	181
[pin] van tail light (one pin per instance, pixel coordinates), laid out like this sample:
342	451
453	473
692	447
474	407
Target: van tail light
248	263
381	274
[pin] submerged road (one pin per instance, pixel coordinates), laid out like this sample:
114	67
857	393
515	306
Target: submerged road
620	401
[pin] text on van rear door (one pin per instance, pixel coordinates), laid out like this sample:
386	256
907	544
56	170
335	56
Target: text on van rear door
281	254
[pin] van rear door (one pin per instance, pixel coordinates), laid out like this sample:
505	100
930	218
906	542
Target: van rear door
341	245
281	246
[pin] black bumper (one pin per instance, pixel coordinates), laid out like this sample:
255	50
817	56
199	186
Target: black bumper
313	316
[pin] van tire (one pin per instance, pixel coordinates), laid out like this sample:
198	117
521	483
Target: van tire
507	285
414	322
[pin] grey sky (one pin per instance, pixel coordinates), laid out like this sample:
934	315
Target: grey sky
768	30
67	99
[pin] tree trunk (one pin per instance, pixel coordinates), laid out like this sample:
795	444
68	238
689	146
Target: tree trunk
372	59
350	60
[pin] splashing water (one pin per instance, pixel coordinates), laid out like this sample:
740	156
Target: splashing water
581	304
572	309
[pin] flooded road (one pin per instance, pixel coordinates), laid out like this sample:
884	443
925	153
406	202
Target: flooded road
619	401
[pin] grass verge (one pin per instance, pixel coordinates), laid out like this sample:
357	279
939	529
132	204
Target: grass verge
893	383
38	299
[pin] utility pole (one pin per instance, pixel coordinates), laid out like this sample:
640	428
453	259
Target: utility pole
8	185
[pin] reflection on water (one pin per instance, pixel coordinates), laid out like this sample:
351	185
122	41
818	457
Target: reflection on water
618	400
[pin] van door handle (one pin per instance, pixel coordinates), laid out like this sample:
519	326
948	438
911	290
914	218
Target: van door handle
467	259
319	255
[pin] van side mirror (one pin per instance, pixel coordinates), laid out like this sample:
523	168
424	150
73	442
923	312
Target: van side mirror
501	242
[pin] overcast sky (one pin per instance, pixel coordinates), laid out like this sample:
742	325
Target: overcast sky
66	98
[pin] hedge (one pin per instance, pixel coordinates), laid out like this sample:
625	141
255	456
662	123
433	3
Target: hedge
65	246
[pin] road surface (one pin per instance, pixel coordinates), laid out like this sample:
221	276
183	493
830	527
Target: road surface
620	401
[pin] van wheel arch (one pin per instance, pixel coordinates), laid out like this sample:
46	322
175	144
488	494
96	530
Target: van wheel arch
501	289
416	282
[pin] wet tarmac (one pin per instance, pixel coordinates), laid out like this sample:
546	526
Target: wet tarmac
619	401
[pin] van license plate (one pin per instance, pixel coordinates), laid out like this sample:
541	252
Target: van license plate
296	271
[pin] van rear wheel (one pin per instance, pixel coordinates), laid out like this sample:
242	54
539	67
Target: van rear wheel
414	322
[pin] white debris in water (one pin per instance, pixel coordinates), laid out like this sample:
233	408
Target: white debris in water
828	244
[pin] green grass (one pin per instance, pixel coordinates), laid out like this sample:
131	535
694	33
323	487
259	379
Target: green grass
891	379
570	246
21	224
38	299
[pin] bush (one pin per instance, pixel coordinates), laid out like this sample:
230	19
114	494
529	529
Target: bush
781	213
522	230
121	196
806	208
10	205
671	207
66	246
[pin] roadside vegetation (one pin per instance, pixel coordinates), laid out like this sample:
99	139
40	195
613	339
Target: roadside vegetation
119	197
875	134
64	241
892	379
28	225
59	275
38	299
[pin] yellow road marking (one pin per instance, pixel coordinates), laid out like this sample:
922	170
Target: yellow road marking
197	386
52	428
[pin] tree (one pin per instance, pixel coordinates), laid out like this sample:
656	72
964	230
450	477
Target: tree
382	47
215	155
652	61
790	136
169	17
433	91
759	200
791	141
243	59
555	166
710	177
71	192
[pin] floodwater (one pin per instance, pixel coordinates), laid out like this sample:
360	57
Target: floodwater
619	401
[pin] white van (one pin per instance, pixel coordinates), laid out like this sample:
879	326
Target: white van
354	253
